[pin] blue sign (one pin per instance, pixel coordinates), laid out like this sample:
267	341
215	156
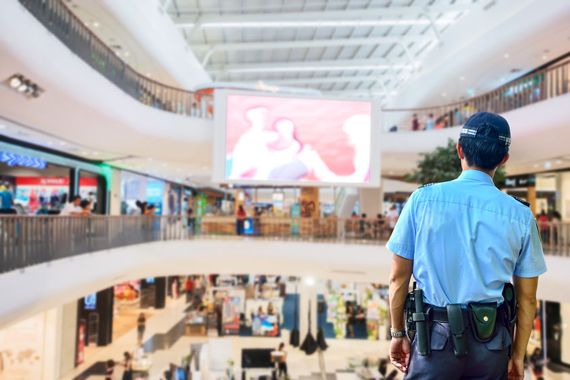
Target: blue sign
13	159
90	302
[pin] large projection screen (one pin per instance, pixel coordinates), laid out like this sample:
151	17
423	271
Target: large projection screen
272	140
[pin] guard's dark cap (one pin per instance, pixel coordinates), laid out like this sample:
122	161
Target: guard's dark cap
480	119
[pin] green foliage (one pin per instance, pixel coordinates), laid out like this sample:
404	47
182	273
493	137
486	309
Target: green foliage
442	165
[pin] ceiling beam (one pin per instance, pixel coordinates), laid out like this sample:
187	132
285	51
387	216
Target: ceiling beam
312	66
349	18
403	42
311	43
325	80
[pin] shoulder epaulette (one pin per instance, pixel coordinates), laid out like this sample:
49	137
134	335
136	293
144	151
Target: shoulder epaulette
521	201
426	185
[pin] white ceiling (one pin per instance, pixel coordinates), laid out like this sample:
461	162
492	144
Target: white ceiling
344	47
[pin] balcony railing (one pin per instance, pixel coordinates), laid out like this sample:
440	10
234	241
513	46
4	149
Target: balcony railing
31	240
543	84
70	30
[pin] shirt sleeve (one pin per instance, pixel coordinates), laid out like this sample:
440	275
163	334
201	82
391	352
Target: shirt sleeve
531	261
403	237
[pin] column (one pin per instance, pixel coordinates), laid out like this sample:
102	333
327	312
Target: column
115	197
371	201
531	198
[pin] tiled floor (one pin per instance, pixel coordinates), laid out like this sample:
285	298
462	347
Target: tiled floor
167	345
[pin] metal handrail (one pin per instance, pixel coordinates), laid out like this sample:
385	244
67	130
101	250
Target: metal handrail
70	30
546	83
539	85
32	240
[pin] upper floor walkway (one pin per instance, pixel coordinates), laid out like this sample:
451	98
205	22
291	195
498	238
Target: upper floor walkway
50	260
544	83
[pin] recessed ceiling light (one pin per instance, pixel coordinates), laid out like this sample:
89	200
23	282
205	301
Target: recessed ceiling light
62	143
535	166
506	55
547	165
50	143
444	94
95	24
15	81
126	54
461	78
2	126
558	162
95	153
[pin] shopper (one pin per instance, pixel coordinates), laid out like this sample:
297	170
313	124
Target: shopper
141	327
73	208
128	364
415	123
543	226
280	358
430	123
109	369
190	220
240	220
86	207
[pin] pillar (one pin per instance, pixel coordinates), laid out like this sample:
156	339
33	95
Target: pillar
371	201
531	198
115	197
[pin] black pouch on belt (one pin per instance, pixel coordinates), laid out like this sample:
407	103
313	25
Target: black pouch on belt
457	328
483	320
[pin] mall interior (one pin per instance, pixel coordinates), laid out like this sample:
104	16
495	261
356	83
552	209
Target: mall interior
199	257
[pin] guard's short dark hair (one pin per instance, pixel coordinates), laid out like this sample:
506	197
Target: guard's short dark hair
74	198
483	153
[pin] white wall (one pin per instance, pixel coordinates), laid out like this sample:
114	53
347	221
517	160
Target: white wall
565	196
33	348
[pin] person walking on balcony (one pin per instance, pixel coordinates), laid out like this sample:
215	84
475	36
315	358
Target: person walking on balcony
73	208
240	220
465	241
430	122
415	123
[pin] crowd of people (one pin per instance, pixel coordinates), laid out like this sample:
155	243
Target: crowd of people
450	118
77	207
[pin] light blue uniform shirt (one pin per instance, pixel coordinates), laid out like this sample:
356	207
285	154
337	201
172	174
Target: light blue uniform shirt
467	238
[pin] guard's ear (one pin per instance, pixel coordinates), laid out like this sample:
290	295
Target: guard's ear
460	151
504	160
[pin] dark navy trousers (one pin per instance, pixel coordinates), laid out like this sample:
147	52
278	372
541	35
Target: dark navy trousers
485	361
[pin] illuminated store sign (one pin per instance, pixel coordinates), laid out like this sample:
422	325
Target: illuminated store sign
13	159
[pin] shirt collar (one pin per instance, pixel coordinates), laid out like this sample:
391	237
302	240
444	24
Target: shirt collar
476	175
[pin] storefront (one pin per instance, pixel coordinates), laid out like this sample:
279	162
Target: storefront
353	311
33	182
166	197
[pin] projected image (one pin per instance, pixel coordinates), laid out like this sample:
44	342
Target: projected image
288	139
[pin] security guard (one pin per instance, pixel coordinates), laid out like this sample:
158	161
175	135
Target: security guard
465	241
